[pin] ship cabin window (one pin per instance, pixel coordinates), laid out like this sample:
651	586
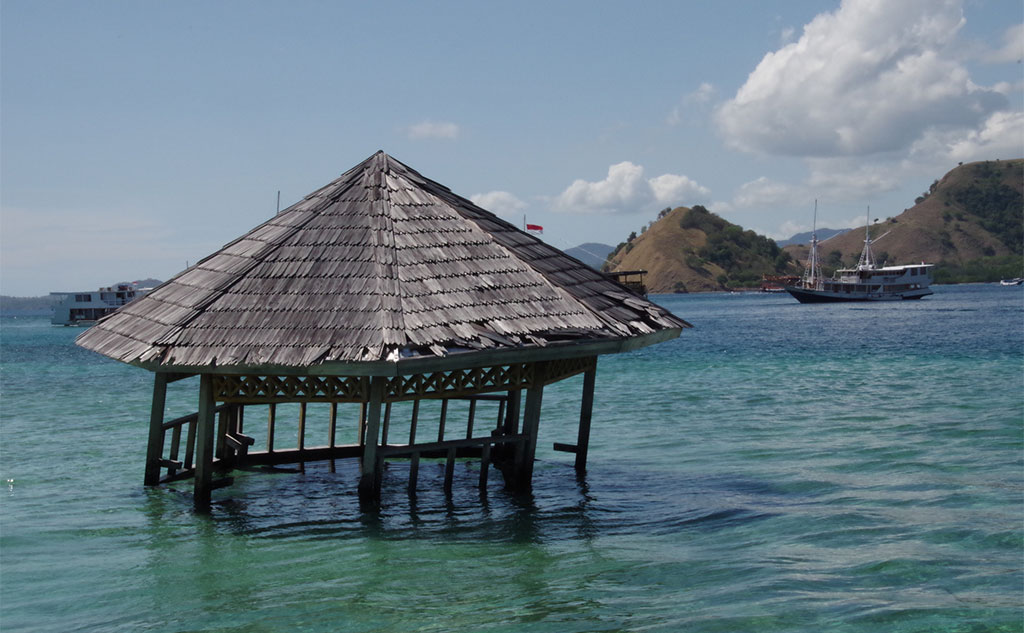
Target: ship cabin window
82	298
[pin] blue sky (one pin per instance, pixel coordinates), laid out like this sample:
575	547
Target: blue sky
137	136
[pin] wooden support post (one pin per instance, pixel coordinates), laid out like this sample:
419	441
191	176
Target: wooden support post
175	444
155	447
531	424
271	415
412	423
222	431
385	425
444	416
511	422
449	470
239	420
472	414
361	428
332	426
204	444
586	408
414	471
190	443
302	434
485	465
369	489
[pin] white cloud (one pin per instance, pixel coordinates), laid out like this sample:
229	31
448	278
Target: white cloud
625	190
1002	136
432	130
701	96
873	76
1013	46
498	202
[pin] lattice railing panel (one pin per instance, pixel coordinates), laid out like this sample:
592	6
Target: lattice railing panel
443	384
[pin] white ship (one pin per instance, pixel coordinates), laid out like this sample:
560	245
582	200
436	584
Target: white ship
85	308
865	282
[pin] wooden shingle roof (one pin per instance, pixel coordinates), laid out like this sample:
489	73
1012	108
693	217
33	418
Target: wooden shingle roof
381	265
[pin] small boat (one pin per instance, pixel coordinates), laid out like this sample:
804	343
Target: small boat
1012	282
88	307
865	282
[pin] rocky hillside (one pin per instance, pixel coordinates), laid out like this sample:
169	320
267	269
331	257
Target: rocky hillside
972	216
694	250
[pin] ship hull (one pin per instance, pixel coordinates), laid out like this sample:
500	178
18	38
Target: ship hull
804	295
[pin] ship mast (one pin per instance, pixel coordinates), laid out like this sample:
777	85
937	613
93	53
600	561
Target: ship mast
867	260
812	273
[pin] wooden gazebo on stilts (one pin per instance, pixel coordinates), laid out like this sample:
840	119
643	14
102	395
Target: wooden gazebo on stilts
381	288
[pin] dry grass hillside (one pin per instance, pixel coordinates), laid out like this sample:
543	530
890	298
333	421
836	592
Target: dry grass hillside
946	225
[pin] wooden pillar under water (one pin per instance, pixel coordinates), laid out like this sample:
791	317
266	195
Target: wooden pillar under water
369	484
155	448
531	425
204	444
586	408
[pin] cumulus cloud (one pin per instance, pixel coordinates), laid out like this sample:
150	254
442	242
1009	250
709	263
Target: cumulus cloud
873	76
432	130
625	190
498	202
1002	136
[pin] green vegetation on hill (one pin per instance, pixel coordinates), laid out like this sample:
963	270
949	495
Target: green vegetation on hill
996	206
744	255
983	269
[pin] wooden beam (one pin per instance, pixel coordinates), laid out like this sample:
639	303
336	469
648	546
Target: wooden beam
204	444
155	447
586	409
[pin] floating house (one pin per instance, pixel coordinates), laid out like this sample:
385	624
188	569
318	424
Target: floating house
382	287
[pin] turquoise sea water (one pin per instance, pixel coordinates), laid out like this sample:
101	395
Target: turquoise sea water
780	467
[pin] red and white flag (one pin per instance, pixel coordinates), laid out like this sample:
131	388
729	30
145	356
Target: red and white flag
535	228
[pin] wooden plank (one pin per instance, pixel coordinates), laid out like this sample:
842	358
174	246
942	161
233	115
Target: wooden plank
442	447
565	448
204	444
155	445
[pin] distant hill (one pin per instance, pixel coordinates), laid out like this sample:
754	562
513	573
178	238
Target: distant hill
805	238
592	254
694	250
970	223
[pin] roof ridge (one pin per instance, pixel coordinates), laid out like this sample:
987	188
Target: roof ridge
394	333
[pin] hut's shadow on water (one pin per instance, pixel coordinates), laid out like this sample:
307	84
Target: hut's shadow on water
608	500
